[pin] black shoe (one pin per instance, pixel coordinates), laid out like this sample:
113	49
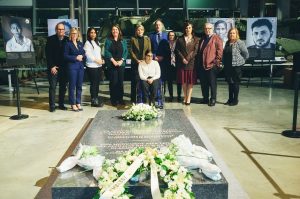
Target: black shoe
114	103
212	102
228	102
179	99
100	104
63	108
171	99
187	103
52	109
234	103
121	102
204	101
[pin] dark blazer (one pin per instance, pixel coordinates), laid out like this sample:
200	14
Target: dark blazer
71	53
154	44
108	55
134	51
55	51
187	52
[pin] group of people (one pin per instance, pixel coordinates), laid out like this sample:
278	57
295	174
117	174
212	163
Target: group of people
158	59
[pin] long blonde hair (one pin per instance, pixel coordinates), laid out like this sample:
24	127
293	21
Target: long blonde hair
79	36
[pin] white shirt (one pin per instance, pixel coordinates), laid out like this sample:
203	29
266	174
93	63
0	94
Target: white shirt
149	70
92	54
13	46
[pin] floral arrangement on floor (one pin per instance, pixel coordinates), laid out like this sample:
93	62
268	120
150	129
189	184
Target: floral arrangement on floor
140	112
138	161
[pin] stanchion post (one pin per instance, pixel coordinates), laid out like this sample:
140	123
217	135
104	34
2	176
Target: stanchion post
19	116
294	133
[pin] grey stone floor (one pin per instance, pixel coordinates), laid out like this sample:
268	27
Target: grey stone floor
246	137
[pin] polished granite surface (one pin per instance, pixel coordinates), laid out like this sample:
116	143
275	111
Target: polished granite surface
114	136
246	137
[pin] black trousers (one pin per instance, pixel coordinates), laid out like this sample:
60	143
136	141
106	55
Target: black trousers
150	88
62	78
208	80
116	87
135	78
233	77
170	78
94	76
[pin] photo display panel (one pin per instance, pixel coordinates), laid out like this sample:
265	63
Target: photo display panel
261	37
18	43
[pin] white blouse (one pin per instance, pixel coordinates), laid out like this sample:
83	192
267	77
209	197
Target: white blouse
92	54
149	70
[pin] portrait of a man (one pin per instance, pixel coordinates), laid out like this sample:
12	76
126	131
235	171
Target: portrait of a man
261	33
18	42
221	27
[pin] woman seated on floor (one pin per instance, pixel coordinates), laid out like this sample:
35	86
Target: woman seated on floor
149	72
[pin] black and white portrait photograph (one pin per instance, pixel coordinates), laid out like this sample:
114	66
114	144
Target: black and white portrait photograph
261	33
69	23
222	26
17	34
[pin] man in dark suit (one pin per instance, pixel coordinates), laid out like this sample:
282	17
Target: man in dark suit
57	71
160	48
156	37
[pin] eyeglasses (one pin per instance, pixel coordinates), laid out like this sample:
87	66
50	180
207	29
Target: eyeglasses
60	29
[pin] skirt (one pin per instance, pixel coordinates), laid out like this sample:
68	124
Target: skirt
186	76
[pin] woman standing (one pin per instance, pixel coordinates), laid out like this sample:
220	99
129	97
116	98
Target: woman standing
186	50
234	56
116	53
171	67
139	45
74	54
94	63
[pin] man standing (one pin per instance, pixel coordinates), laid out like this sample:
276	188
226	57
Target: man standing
57	71
209	56
262	33
18	43
160	48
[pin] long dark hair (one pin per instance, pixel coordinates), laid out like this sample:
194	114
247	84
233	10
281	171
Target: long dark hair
89	37
186	24
120	36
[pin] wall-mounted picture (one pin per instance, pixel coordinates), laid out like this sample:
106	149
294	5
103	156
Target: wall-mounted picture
17	34
222	26
261	37
69	23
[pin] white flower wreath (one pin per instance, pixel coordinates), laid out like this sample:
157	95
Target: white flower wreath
176	177
140	112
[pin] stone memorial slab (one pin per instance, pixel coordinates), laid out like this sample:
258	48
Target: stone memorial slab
113	137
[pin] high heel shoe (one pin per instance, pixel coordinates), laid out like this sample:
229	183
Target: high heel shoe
74	108
79	107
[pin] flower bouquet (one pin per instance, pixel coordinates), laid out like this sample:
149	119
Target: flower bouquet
140	112
162	165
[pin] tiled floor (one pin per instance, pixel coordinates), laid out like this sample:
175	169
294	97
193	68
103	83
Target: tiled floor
247	137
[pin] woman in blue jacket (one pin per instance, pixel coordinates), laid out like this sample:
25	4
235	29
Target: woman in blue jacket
116	53
74	54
